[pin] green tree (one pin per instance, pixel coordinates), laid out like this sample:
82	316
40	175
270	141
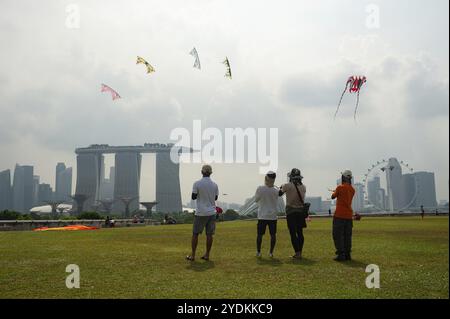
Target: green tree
230	214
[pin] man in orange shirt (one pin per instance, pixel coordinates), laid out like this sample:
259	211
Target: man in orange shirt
343	217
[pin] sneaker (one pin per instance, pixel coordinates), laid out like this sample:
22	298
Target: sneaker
258	254
340	258
270	255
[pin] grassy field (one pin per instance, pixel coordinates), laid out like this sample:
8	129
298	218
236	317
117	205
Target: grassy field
148	262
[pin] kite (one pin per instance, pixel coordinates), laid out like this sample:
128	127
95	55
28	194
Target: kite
197	59
150	69
66	228
354	84
227	64
114	94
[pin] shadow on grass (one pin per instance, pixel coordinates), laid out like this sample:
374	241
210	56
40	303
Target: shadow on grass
200	265
303	262
355	264
274	262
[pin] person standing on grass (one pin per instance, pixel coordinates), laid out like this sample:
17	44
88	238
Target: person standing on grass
205	192
422	211
343	217
267	198
295	203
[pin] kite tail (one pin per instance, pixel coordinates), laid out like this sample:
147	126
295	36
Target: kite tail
340	101
356	107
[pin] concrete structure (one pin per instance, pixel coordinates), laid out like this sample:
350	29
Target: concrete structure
358	199
79	200
5	190
127	182
89	166
63	182
107	186
426	190
23	188
149	206
127	175
394	183
168	194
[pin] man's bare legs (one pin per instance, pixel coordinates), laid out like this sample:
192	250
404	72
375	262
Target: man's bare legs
194	244
209	242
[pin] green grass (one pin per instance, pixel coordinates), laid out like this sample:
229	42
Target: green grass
148	262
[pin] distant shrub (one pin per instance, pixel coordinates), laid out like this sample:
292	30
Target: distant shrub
9	215
230	214
89	215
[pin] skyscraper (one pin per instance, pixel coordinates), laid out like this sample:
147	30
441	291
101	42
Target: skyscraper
36	180
358	199
126	180
373	188
168	194
426	190
23	188
5	190
63	182
89	168
408	190
107	185
45	193
394	183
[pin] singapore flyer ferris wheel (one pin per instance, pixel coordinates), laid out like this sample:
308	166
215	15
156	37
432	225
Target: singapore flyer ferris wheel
390	185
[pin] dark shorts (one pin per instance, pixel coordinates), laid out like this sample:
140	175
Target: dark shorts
262	225
204	222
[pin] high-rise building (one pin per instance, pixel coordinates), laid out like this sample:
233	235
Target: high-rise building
126	181
382	198
36	182
408	190
394	183
358	199
23	188
89	168
107	186
168	194
373	188
63	182
45	193
5	190
426	190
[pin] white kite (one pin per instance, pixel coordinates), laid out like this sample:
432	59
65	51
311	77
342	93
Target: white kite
197	59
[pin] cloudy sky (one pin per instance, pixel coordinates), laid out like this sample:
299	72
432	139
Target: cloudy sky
290	61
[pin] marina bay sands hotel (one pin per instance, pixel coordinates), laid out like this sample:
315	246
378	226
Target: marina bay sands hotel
90	172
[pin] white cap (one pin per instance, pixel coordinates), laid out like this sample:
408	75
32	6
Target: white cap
347	173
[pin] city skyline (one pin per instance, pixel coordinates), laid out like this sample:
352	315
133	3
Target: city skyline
410	190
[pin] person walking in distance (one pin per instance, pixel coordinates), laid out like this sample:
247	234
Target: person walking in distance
267	198
205	192
343	217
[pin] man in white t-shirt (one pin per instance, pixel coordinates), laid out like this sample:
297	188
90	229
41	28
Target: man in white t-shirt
267	198
205	192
